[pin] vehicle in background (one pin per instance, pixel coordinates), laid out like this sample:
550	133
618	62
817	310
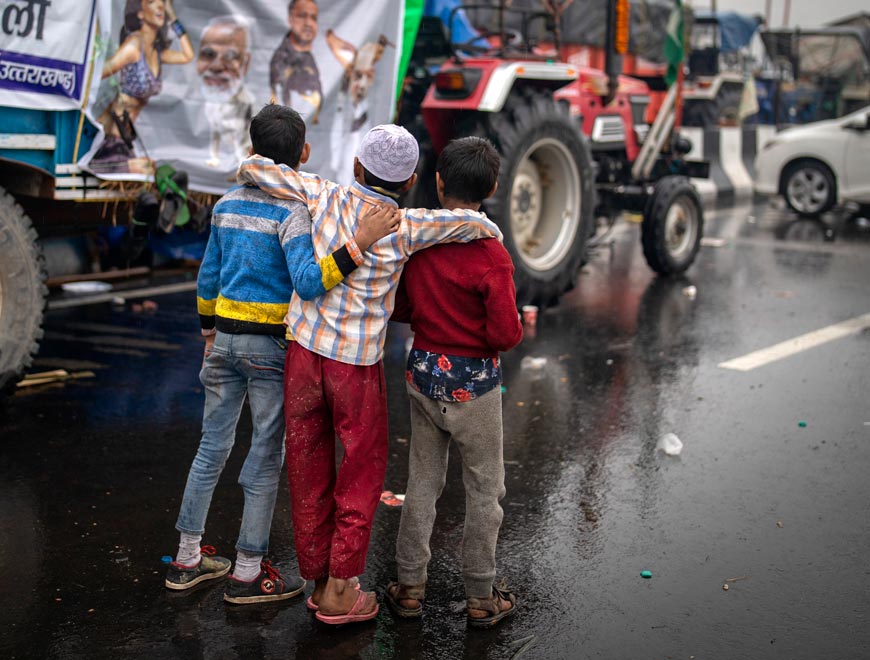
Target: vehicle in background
719	68
820	73
819	165
573	139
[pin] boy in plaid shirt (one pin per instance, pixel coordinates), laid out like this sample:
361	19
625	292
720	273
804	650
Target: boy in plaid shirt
334	380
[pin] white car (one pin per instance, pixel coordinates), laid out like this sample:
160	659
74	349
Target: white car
818	165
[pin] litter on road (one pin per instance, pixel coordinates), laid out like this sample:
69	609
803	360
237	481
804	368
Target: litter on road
690	292
710	241
530	362
802	424
670	444
646	575
55	376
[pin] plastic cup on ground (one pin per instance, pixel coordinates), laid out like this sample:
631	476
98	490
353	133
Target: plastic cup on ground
530	315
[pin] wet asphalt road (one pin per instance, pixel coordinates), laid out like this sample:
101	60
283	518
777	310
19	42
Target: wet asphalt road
91	473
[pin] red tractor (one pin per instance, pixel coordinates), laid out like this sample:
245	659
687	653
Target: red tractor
574	143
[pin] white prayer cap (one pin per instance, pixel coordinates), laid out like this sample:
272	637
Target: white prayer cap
389	152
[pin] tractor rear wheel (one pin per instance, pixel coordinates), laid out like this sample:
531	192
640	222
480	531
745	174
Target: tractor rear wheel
22	293
673	224
545	198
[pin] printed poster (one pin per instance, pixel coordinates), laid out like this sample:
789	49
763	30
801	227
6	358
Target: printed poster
181	79
44	46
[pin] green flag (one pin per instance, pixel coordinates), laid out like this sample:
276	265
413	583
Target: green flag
674	43
413	15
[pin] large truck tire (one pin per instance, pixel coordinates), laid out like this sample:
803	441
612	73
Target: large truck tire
22	293
673	225
545	198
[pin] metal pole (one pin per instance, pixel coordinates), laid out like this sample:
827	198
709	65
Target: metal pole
501	29
767	9
785	13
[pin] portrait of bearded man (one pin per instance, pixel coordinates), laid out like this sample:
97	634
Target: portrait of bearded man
222	63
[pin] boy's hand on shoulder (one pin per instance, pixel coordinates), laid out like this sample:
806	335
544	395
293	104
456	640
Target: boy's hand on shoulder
375	223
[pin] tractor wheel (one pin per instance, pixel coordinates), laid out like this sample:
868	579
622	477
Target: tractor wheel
545	198
22	293
672	226
809	188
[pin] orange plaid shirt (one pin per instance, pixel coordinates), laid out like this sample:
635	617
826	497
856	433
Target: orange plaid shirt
349	322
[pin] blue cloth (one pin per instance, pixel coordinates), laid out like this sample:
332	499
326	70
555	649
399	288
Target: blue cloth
461	30
452	377
240	366
736	30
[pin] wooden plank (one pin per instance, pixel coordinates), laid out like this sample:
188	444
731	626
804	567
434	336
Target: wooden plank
67	168
76	182
31	141
107	275
95	195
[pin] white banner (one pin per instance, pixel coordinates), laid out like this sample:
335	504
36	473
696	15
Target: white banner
44	46
182	79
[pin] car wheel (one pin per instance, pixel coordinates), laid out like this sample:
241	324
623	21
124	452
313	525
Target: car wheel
809	188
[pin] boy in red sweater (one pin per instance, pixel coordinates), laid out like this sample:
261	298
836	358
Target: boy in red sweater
461	304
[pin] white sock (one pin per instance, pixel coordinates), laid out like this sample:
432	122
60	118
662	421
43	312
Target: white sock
188	549
247	566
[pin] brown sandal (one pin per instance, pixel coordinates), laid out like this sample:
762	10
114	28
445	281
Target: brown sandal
491	605
396	593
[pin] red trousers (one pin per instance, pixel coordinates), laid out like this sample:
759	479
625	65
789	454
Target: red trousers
333	513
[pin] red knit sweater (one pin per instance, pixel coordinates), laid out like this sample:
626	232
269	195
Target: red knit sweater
460	299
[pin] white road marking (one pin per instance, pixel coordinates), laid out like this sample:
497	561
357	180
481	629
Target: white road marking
798	344
122	293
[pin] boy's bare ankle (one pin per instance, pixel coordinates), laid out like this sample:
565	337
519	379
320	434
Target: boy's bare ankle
338	596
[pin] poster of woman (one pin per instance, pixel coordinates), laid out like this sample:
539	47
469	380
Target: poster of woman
145	46
184	94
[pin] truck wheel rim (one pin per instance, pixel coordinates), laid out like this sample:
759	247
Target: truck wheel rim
545	202
808	190
681	228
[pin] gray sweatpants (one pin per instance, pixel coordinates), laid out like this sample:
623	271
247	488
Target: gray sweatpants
476	428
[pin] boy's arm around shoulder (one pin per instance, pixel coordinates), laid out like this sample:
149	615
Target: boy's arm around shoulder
284	182
503	327
310	277
424	228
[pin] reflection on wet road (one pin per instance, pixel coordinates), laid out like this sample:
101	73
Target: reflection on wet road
92	470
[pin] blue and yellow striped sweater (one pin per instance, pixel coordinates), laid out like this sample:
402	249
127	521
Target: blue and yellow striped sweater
259	251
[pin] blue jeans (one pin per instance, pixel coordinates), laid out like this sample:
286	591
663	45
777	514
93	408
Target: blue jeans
237	366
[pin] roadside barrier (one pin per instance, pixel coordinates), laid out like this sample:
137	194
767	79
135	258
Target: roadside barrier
731	152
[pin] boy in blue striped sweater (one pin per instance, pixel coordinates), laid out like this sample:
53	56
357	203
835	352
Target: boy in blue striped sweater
260	251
